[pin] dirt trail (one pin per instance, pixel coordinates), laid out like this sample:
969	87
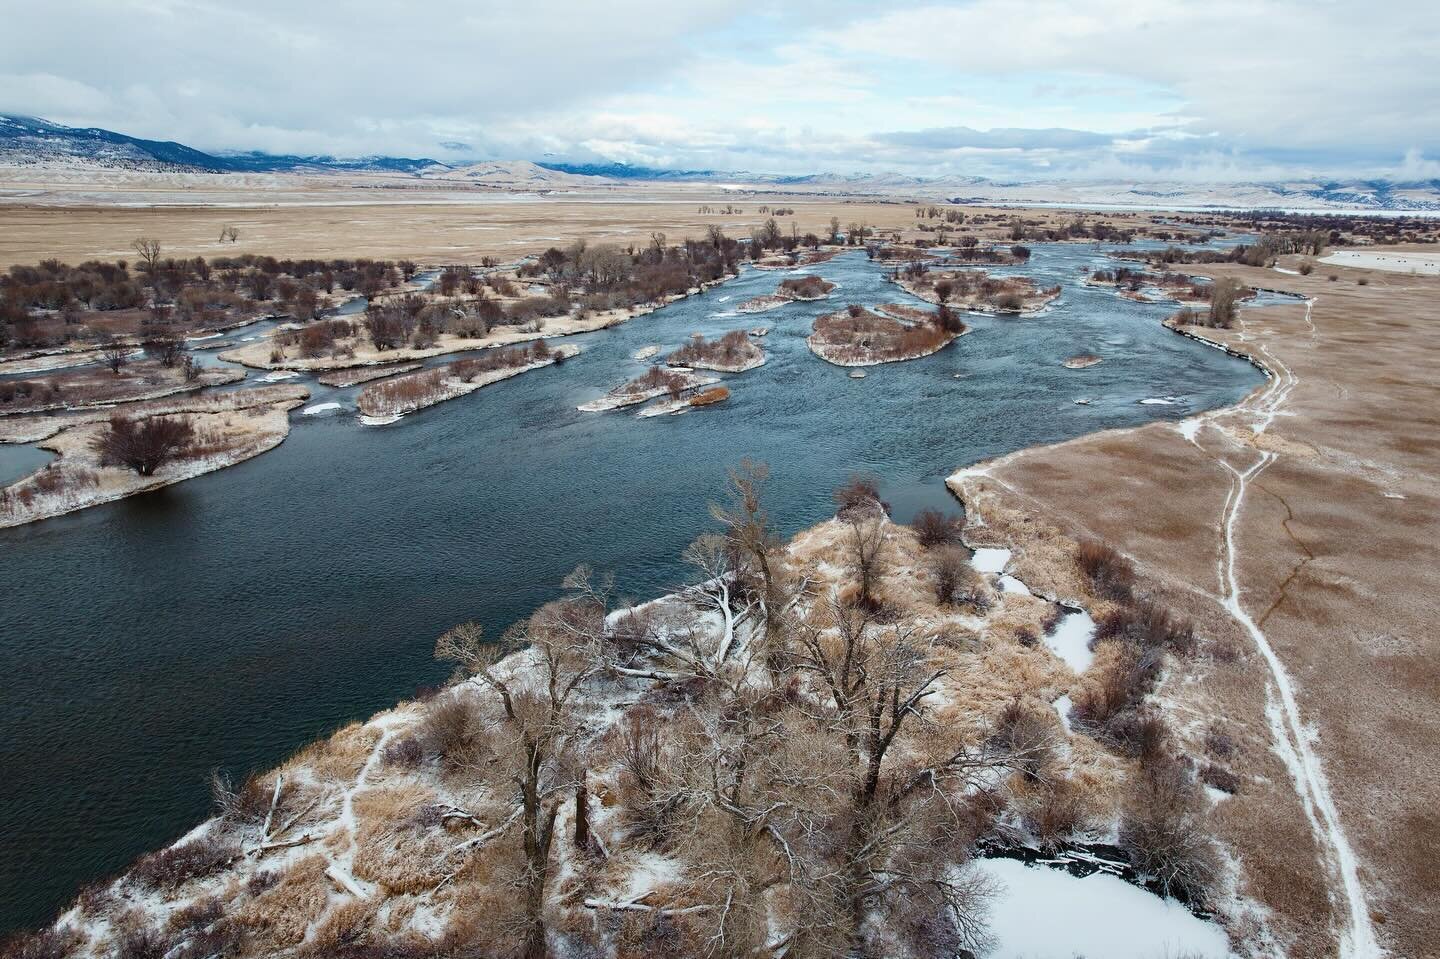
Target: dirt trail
1325	585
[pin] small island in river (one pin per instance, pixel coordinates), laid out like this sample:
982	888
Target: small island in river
734	352
385	402
856	336
975	290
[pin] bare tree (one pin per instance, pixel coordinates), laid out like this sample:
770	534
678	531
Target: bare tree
229	233
166	348
900	842
1223	300
143	446
1163	830
865	541
148	250
746	522
536	690
115	354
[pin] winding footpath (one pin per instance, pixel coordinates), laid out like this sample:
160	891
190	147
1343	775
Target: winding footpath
1327	625
1293	739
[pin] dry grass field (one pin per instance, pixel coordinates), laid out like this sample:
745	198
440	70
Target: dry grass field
332	219
1303	520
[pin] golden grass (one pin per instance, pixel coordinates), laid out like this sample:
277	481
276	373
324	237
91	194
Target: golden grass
280	917
392	849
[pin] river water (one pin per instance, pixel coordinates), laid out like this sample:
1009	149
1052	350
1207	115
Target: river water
228	620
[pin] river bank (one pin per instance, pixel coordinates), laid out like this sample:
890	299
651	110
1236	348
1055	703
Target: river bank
230	428
362	352
387	402
369	833
1258	521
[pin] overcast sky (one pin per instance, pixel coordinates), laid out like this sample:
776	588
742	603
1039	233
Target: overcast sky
1210	89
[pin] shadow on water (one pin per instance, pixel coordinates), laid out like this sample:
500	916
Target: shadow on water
226	621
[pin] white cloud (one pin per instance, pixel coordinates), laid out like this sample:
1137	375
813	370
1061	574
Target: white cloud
986	86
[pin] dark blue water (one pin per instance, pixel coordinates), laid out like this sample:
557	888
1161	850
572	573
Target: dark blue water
228	620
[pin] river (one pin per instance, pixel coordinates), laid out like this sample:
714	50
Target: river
226	621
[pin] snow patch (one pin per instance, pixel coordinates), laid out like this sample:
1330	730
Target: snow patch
988	560
320	408
1012	585
1071	640
1099	915
1063	706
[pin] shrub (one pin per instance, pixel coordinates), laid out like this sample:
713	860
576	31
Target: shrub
1306	267
1220	778
1147	626
1111	575
449	732
934	528
956	582
1009	303
170	868
1162	832
405	753
1223	299
45	944
860	492
1120	683
1026	732
1219	743
1055	811
1141	733
142	943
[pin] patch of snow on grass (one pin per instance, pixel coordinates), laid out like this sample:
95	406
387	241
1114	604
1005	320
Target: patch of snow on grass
1071	640
1012	585
987	560
1099	915
1062	706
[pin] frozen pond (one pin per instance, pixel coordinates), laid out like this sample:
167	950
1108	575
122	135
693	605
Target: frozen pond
1044	913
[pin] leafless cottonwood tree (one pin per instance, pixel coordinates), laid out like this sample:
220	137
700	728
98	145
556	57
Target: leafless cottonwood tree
902	833
753	540
562	644
866	548
1223	299
148	250
230	233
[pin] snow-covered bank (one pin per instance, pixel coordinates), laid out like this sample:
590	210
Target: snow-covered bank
386	402
1390	261
233	427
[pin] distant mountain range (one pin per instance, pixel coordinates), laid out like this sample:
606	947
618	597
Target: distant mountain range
32	142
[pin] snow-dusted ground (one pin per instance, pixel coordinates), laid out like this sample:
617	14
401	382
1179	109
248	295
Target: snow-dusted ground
1049	914
1391	262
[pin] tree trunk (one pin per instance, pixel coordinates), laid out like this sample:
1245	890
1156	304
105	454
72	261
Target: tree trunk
582	815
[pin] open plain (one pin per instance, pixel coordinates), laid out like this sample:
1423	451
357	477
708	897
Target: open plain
1298	529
